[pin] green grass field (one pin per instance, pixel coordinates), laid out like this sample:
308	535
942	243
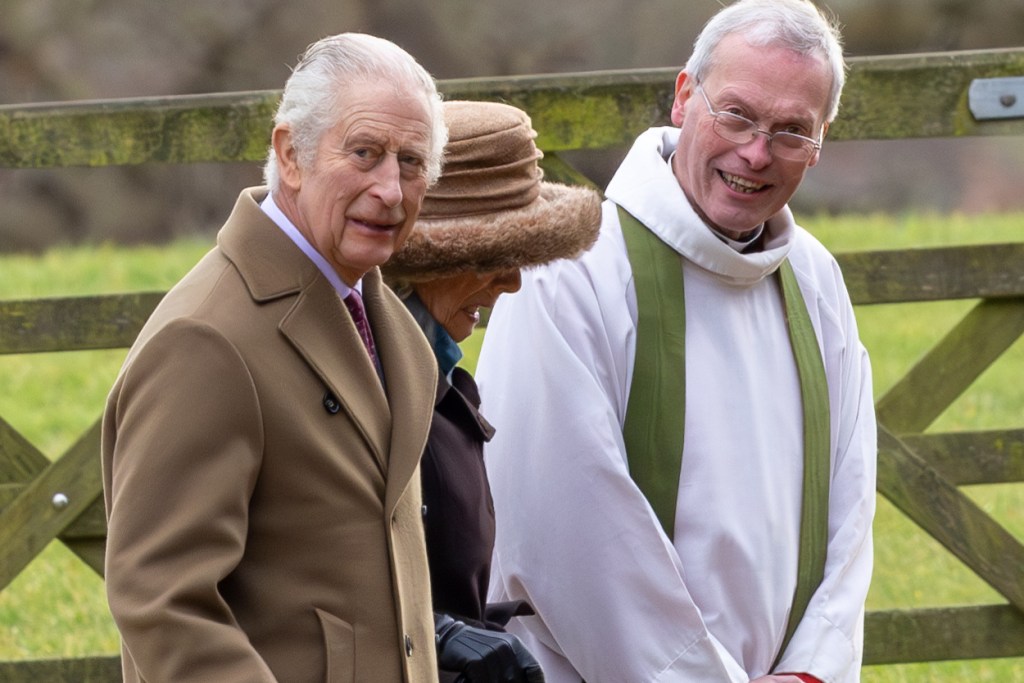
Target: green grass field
57	608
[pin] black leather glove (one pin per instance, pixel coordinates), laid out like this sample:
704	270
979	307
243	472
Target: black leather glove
482	656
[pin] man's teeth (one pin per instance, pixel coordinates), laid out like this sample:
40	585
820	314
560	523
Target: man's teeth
741	184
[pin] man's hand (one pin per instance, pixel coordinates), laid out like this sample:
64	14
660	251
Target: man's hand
482	656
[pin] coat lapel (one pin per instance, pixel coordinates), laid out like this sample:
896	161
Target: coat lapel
318	325
410	372
321	329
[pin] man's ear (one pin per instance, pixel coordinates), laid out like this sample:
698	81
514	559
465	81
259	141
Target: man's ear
684	88
287	157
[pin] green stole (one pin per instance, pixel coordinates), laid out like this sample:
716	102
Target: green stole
653	430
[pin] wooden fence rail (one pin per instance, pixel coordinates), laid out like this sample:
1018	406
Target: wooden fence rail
921	474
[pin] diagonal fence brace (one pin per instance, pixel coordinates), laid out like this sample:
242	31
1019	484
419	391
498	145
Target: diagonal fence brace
46	506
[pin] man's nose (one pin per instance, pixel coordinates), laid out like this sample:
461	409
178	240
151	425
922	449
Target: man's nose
387	181
757	152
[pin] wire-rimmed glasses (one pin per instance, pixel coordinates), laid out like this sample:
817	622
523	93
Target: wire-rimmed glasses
741	130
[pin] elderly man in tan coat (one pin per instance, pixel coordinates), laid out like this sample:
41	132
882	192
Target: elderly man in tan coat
261	443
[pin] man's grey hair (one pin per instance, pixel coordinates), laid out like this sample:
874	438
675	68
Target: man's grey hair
794	24
317	85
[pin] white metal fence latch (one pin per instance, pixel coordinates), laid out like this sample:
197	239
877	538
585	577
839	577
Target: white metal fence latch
996	98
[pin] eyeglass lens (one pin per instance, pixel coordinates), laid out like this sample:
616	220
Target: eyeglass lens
741	130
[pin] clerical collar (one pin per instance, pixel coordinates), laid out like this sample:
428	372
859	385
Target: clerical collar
740	246
744	245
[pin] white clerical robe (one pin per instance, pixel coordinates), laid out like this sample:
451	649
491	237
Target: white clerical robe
616	599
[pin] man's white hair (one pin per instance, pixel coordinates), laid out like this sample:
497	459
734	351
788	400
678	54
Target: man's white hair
794	24
319	82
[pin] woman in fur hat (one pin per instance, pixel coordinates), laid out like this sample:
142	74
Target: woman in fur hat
489	216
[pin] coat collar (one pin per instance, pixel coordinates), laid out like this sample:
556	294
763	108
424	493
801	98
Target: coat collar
463	397
268	261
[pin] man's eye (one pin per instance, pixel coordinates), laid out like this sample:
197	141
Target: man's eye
409	160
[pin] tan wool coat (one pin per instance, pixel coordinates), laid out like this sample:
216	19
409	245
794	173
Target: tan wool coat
261	487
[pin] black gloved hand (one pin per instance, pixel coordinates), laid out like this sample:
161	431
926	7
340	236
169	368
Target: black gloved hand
482	656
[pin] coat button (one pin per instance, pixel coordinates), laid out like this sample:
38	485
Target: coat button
331	403
423	510
408	645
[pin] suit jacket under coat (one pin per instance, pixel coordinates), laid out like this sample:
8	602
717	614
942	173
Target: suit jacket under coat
262	490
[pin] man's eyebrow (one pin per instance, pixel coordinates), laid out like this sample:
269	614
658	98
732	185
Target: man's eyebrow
806	121
419	147
363	137
369	136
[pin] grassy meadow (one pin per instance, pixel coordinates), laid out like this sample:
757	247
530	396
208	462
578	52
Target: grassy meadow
57	608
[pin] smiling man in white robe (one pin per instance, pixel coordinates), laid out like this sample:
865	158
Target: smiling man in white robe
684	471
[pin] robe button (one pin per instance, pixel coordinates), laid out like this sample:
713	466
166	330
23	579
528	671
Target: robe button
408	645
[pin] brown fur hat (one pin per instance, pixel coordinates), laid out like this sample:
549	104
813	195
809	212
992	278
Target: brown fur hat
491	210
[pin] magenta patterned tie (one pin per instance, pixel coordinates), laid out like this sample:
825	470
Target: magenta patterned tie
355	306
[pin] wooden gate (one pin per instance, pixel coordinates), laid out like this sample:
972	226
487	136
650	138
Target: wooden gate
886	98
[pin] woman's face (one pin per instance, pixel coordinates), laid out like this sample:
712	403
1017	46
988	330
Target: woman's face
455	301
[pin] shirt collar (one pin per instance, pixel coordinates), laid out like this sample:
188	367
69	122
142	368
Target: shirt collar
282	221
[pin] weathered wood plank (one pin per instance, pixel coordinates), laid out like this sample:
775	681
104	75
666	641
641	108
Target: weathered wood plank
943	634
113	321
185	128
934	274
950	517
74	323
591	110
923	95
90	551
964	458
78	670
19	459
950	367
32	520
902	96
